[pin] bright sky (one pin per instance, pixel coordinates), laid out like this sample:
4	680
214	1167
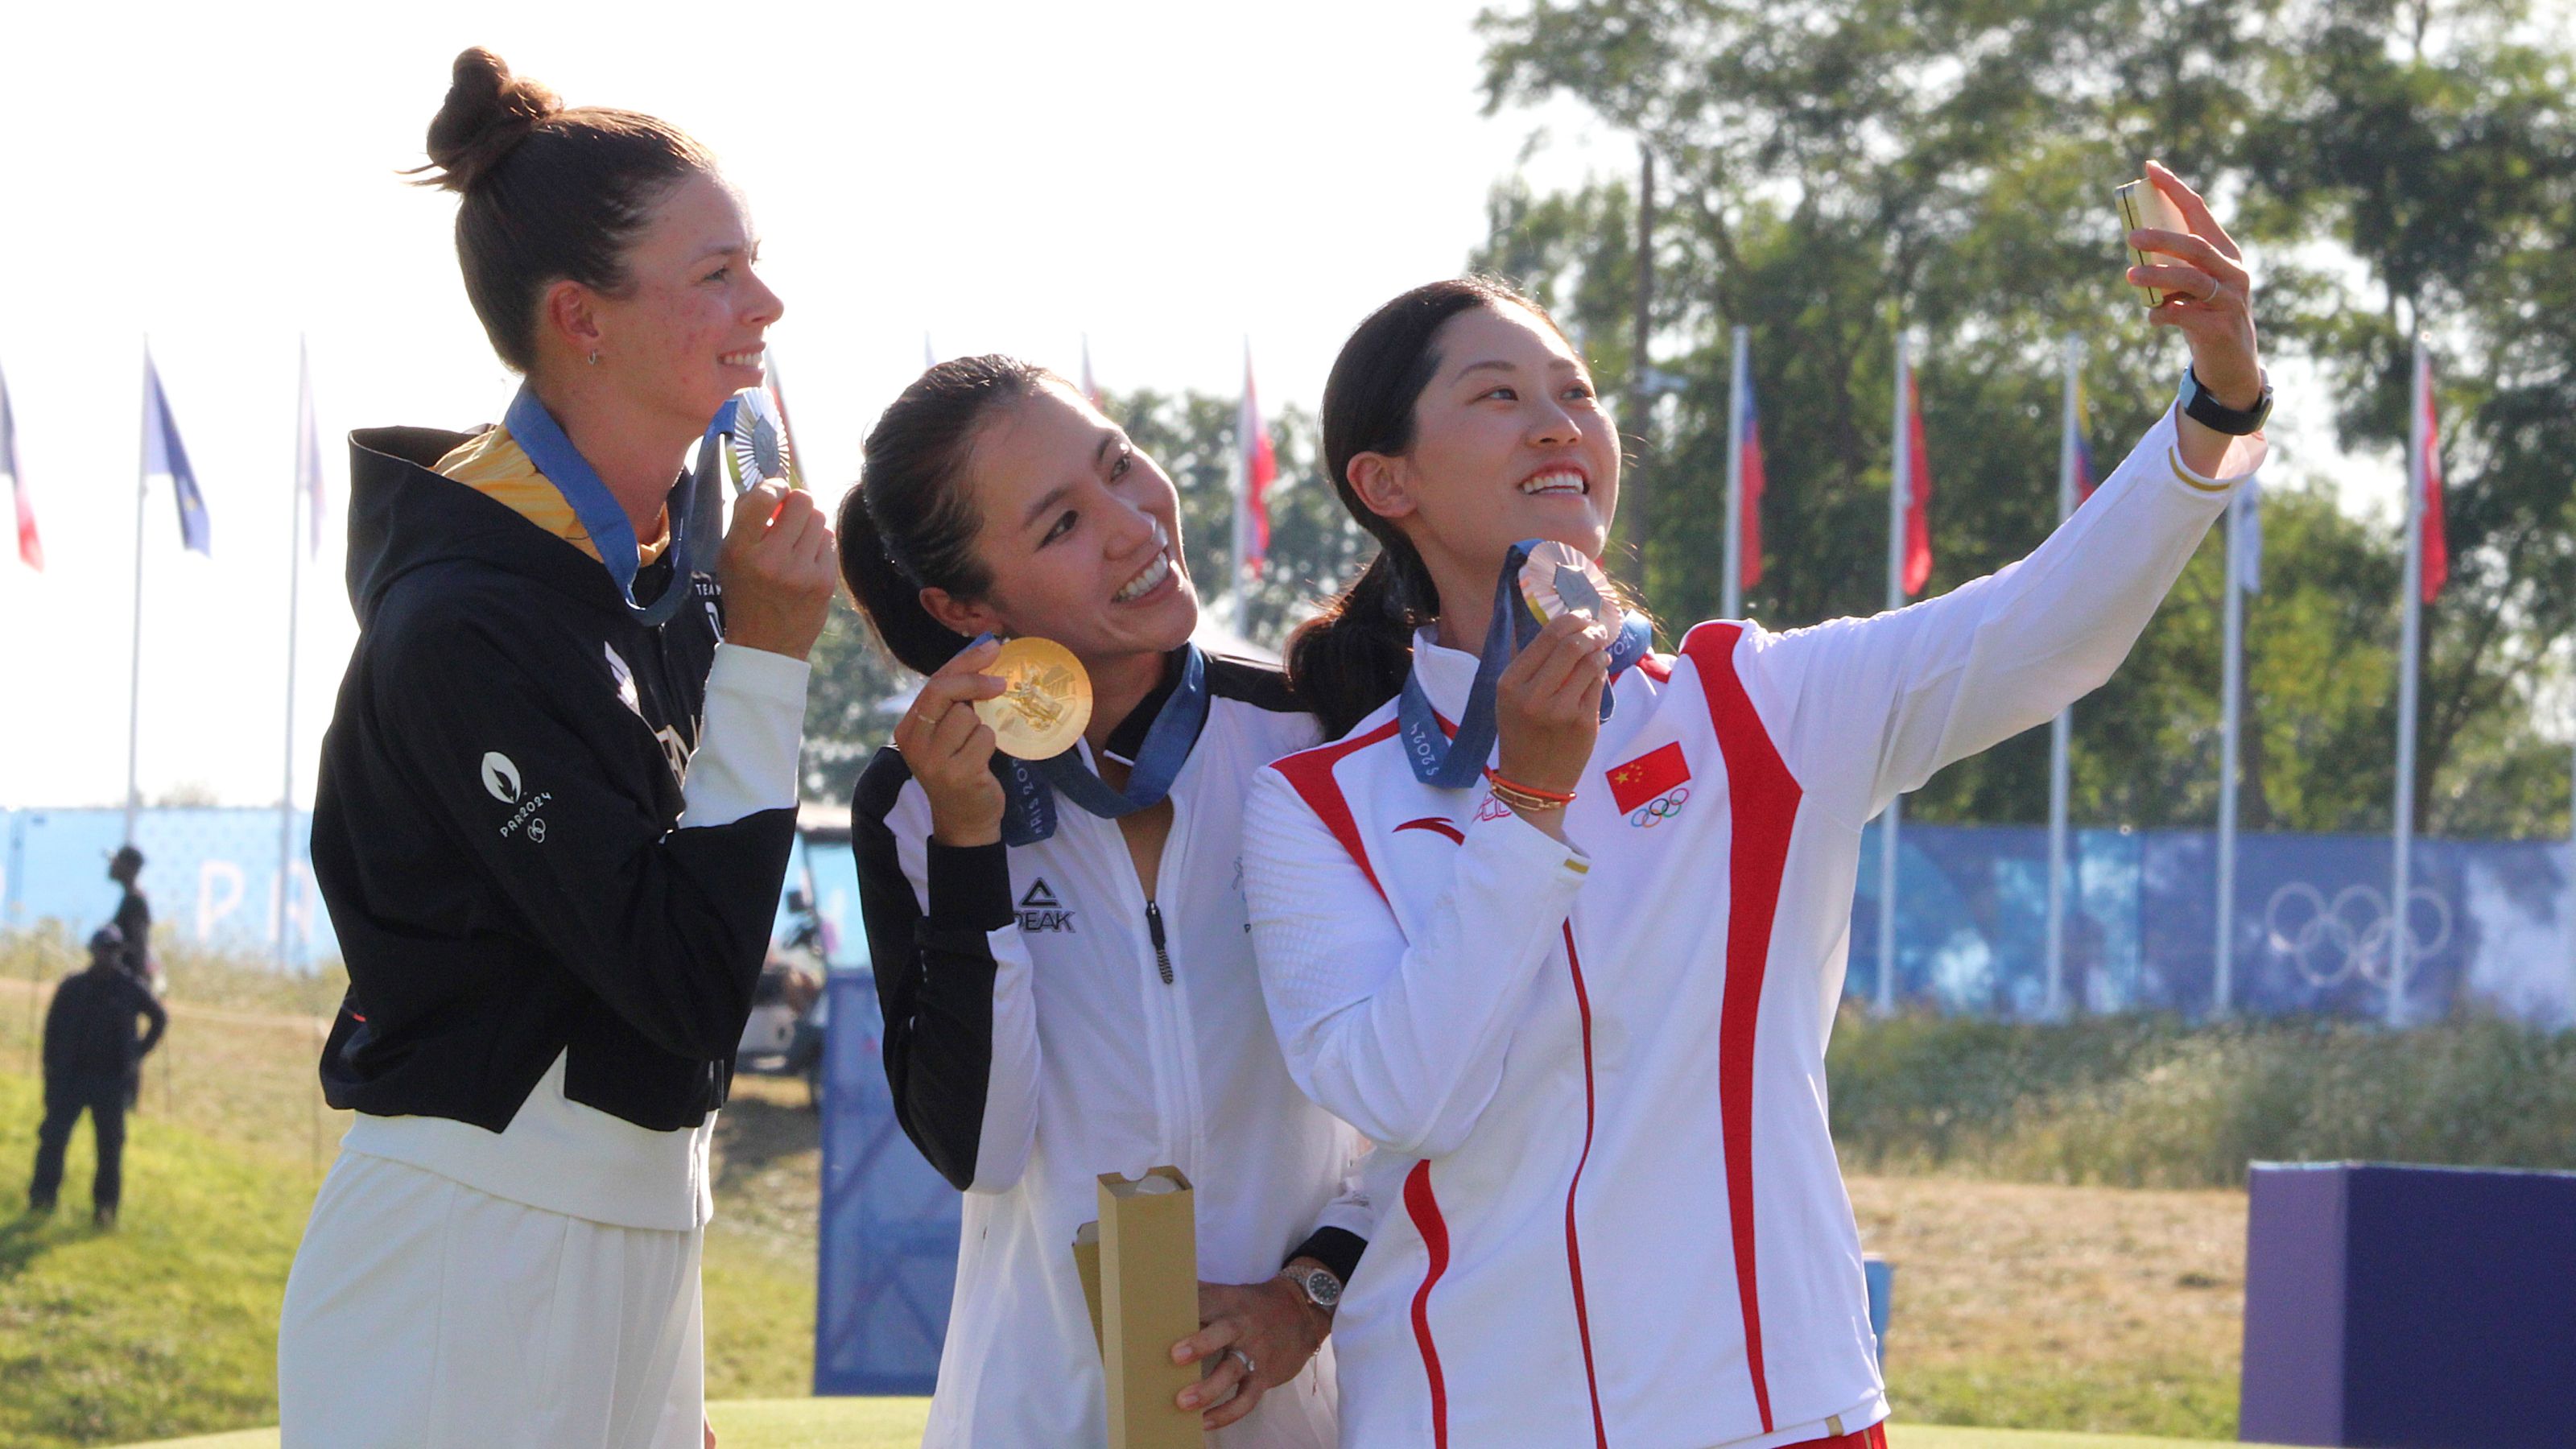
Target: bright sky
1169	178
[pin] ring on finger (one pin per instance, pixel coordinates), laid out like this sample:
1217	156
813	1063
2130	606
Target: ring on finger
1243	1358
2215	287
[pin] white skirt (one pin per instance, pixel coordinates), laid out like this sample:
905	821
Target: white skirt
422	1314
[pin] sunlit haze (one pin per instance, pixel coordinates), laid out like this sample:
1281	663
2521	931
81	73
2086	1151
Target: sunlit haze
1167	178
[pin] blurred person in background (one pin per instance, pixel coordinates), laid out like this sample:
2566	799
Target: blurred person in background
91	1055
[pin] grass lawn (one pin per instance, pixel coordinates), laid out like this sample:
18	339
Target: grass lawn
2044	1308
2020	1305
168	1325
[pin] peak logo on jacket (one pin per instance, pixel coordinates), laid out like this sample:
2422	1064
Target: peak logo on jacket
1041	911
501	782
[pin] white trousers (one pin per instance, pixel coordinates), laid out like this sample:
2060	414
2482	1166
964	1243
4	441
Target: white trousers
422	1314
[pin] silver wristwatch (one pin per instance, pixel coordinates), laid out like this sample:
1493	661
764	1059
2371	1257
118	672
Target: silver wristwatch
1318	1284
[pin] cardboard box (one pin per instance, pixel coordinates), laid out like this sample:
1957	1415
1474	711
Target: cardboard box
1149	1300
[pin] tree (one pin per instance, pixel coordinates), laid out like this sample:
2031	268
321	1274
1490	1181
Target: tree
1314	547
1834	171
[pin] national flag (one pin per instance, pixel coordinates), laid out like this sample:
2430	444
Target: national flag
1649	777
165	456
2436	545
1918	494
777	385
308	455
2085	480
1749	555
2245	559
30	547
1260	469
1090	388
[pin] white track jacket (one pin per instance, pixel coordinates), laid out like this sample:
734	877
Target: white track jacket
1046	1023
1616	1215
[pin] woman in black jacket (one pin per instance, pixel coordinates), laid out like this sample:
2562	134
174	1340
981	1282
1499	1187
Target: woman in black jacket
554	813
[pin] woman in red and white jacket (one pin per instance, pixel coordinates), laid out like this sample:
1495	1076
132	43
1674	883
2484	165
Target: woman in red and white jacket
1589	1034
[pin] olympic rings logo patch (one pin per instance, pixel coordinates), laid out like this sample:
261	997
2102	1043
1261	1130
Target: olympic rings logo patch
1656	812
2354	934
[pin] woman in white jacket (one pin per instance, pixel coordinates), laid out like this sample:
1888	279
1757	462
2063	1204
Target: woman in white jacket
1578	989
1061	951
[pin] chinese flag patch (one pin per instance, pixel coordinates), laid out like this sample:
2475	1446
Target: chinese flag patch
1650	776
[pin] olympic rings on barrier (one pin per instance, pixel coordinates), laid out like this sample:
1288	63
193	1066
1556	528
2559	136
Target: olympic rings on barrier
1656	812
2332	941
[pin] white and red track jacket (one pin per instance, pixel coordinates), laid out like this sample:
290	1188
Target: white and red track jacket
1600	1072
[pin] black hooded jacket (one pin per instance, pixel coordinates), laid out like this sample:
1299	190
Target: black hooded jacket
494	829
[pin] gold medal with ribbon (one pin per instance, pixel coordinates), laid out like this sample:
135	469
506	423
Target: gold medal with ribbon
1045	702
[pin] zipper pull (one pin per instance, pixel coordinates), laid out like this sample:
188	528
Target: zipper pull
1162	950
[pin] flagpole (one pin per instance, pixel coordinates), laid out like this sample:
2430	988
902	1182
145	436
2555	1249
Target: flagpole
294	599
1731	595
1896	505
2410	641
134	683
1242	541
2061	730
2230	738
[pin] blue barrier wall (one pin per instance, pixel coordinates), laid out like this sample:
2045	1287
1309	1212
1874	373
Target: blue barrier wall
212	876
2493	923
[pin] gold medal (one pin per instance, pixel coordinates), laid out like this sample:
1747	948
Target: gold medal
1558	579
1045	702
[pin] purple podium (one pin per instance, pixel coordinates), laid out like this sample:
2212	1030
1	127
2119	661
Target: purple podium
2409	1307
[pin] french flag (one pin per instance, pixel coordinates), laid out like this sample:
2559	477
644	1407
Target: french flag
30	547
164	456
1260	469
2437	548
1918	494
1750	560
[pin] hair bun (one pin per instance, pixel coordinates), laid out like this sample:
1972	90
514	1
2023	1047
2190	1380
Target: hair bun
487	113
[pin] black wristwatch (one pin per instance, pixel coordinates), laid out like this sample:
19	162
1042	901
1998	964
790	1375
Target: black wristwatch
2218	417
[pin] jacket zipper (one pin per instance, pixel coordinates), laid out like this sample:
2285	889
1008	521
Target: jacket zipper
1162	949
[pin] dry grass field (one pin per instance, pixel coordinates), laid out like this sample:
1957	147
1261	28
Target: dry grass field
2032	1306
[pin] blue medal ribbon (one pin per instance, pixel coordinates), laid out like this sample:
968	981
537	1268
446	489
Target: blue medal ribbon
696	510
1030	786
1454	763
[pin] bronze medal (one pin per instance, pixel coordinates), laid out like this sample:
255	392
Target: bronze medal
1558	579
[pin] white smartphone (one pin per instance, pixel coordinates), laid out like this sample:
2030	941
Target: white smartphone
2143	206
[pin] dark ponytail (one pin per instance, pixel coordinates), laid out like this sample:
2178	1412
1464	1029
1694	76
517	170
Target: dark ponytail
910	522
1353	656
550	194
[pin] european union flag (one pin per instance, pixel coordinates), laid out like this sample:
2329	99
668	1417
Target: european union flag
164	454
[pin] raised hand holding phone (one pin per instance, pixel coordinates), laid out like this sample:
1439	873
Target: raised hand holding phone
2205	291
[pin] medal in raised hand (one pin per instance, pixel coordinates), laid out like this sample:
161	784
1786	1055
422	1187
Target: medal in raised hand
1045	702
